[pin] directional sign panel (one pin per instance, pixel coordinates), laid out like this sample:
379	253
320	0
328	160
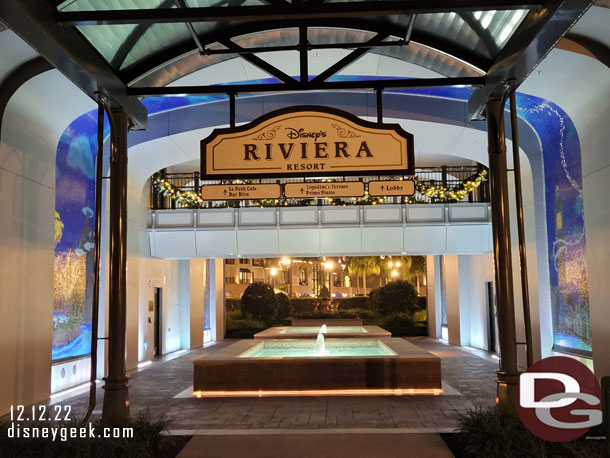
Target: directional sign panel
332	189
392	188
240	191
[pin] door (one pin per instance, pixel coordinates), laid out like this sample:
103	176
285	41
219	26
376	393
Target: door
492	318
158	319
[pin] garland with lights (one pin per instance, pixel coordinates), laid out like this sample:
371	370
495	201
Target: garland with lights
452	194
187	199
190	199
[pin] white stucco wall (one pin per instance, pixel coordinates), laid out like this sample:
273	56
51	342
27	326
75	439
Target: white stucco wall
31	129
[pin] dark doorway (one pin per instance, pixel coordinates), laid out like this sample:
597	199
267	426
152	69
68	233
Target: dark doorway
492	318
158	324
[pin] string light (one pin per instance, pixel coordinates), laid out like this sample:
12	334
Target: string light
190	199
454	194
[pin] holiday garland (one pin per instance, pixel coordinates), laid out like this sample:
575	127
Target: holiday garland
190	199
452	194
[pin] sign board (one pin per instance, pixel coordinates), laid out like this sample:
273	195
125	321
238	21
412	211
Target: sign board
331	190
392	188
240	191
307	141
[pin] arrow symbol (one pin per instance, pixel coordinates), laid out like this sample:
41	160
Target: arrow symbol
382	187
302	190
224	192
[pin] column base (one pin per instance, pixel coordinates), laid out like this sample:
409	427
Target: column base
115	409
507	384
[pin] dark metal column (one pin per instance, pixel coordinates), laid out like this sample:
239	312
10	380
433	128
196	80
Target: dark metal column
116	395
508	374
232	109
379	93
96	260
527	320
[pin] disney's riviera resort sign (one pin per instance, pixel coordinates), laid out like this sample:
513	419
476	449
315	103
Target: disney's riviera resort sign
307	141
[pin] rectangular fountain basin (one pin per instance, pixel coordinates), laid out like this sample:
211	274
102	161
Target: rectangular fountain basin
305	349
275	366
311	332
328	321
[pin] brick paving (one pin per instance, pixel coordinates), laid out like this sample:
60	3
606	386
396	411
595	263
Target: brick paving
155	387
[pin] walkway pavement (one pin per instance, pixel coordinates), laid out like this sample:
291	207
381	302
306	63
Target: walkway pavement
336	445
298	426
469	381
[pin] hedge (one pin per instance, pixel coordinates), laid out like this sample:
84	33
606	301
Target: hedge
357	302
303	305
233	303
284	306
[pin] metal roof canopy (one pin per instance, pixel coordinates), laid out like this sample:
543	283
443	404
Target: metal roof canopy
103	45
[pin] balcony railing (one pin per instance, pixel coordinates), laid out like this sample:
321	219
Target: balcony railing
432	184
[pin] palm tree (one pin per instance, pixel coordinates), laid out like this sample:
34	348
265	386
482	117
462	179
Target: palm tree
409	267
363	265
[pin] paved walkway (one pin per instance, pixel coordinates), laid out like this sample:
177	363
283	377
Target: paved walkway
470	380
309	427
336	445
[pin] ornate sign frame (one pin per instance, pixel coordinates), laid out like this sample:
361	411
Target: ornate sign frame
357	149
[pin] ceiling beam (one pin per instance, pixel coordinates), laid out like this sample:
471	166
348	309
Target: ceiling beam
537	35
389	84
189	26
66	50
481	32
157	60
260	63
287	12
347	60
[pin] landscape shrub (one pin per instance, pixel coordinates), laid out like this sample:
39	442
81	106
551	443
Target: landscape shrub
348	303
363	314
422	302
233	303
498	432
421	316
403	325
303	304
284	306
324	293
232	316
259	302
397	297
372	300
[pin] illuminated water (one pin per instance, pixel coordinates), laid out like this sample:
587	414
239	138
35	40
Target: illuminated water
319	348
329	330
306	348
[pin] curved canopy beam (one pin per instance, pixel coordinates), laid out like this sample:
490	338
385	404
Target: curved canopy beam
170	56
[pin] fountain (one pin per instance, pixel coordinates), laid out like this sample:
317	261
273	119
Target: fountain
319	349
318	364
323	329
